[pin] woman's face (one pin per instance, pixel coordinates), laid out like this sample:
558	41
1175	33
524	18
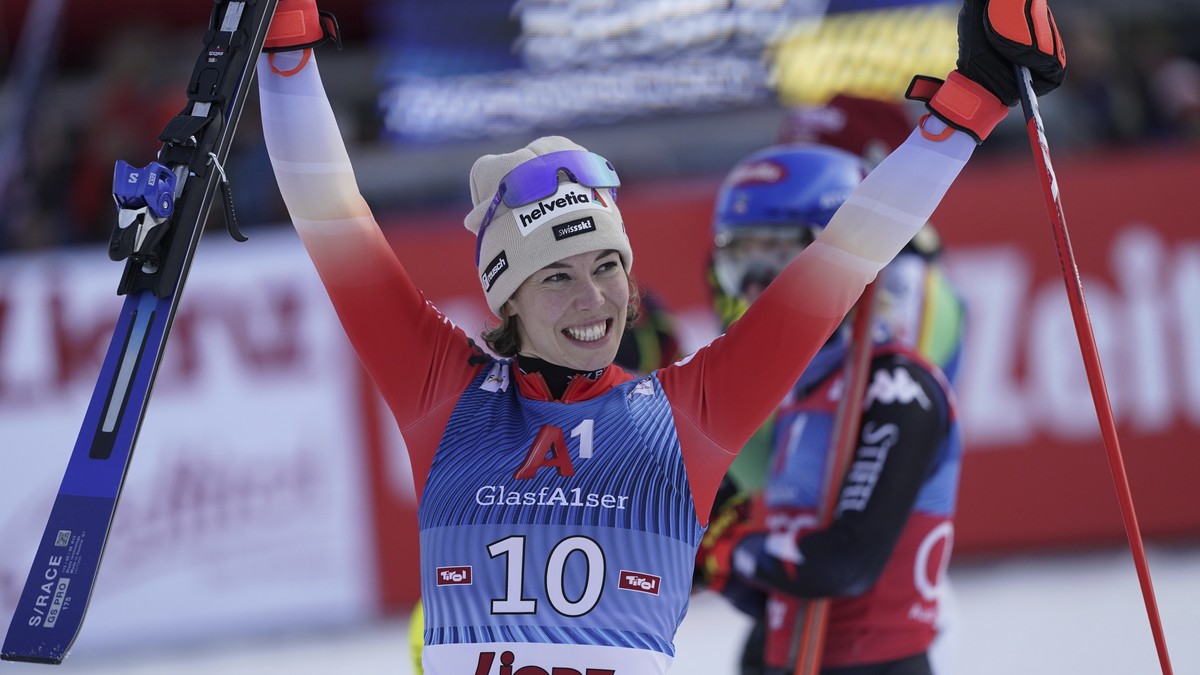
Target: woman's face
572	312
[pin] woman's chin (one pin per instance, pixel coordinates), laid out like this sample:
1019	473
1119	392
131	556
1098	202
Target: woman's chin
589	356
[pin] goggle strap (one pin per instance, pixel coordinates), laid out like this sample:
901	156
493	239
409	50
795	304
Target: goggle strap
487	220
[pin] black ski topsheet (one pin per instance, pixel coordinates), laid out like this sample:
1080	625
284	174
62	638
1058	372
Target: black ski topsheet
50	611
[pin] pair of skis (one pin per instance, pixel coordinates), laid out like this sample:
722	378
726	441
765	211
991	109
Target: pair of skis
162	211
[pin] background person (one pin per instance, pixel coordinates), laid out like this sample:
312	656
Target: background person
883	555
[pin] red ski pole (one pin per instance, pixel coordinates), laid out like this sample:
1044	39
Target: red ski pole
1091	356
810	631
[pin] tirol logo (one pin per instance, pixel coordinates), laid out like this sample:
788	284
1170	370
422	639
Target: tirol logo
571	197
574	227
493	271
454	576
639	581
758	173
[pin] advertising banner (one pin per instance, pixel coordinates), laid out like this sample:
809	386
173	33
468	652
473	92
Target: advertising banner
243	509
271	488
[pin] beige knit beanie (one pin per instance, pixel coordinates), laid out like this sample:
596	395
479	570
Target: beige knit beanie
524	239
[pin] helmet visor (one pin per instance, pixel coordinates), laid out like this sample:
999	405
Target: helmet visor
747	259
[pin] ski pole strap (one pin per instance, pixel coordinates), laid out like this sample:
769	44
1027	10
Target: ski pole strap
960	102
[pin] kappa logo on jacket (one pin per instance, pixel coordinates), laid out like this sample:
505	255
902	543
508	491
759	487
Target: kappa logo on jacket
895	387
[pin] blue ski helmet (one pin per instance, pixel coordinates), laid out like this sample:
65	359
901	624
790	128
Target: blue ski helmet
769	207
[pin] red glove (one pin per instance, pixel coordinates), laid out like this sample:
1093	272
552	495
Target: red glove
734	519
992	36
298	24
723	533
1008	25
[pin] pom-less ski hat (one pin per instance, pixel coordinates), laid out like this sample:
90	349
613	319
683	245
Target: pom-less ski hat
525	218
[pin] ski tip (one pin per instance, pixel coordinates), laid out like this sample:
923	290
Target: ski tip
18	647
32	658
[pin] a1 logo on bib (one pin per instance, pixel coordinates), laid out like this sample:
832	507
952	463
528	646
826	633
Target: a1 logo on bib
571	197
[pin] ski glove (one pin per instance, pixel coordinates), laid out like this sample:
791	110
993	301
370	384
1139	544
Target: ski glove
730	517
1025	34
992	36
298	24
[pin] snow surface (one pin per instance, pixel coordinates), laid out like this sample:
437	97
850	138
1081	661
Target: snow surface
1063	614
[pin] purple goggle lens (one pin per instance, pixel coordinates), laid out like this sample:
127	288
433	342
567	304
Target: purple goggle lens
537	178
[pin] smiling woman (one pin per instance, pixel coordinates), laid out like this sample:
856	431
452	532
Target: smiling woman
554	586
572	312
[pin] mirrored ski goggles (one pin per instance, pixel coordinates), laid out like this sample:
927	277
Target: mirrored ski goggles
537	178
751	255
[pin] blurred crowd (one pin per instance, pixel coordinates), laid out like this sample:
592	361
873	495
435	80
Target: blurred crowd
1126	83
86	118
1131	81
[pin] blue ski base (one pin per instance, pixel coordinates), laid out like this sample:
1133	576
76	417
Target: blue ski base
49	617
50	610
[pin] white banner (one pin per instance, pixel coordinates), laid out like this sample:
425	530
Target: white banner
244	509
1146	332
